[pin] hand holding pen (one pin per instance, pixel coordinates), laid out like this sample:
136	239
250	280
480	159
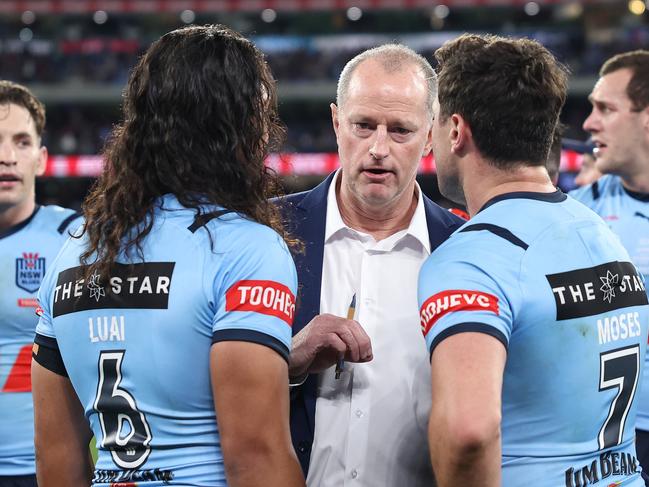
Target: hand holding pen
325	341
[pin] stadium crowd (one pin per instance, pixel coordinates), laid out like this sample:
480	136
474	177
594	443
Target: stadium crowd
208	330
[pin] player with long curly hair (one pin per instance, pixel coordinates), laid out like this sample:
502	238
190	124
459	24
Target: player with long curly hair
166	325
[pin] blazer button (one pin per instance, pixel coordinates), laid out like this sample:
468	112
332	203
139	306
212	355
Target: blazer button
302	446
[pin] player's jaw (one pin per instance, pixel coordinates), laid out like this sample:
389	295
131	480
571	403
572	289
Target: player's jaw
13	190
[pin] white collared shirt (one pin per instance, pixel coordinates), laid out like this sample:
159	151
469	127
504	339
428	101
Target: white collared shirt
371	424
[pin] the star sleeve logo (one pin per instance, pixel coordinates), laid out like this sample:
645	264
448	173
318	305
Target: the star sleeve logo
96	290
609	283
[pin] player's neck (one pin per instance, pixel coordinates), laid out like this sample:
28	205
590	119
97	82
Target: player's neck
379	222
13	215
486	183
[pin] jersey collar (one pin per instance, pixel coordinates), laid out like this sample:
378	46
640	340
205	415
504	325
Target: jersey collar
19	226
644	197
555	197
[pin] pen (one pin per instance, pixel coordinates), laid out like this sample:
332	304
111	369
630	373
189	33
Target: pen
340	365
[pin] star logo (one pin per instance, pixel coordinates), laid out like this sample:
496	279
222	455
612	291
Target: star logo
609	283
96	290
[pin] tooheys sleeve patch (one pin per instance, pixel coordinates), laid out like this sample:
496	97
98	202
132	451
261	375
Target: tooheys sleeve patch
266	297
449	301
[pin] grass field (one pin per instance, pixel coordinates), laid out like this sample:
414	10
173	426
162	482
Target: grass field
93	450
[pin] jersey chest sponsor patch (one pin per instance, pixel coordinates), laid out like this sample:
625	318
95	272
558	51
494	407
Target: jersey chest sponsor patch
595	290
449	301
265	297
30	270
136	286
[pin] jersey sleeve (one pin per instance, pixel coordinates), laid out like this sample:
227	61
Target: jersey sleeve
46	349
255	292
461	295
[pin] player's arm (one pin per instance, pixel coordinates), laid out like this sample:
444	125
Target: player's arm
61	432
250	388
464	427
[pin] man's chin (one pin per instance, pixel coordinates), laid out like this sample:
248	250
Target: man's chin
379	196
8	200
605	166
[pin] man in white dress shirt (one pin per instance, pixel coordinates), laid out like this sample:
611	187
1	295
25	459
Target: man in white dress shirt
367	229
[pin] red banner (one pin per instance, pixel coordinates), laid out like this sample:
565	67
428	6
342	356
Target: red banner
300	164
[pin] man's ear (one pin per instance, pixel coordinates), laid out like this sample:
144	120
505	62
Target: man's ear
429	141
459	134
334	118
41	164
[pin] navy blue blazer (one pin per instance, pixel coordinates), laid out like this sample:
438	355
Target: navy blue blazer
305	215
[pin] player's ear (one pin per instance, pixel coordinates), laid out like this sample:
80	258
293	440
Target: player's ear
41	164
459	133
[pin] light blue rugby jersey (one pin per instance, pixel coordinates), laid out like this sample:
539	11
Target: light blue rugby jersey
546	277
26	251
138	345
627	213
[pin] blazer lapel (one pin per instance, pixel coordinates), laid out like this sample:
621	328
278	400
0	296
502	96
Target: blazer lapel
440	222
311	217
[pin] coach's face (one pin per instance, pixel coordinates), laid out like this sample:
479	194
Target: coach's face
383	130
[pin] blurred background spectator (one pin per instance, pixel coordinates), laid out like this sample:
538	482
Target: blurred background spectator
76	56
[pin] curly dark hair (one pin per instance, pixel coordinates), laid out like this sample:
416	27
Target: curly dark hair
510	91
200	115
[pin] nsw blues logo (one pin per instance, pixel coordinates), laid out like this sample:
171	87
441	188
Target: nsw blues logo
30	270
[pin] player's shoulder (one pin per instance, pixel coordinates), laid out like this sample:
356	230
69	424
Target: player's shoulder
499	236
239	231
218	231
209	222
480	255
58	219
499	228
479	243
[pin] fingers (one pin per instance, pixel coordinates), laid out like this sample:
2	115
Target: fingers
361	350
326	338
357	344
352	350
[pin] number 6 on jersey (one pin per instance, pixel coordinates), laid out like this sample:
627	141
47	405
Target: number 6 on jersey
125	430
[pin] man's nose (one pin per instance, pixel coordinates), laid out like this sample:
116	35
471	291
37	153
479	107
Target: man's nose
592	122
7	153
380	148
